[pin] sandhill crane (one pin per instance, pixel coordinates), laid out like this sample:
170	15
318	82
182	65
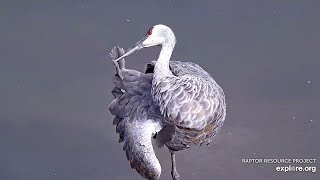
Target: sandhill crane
177	103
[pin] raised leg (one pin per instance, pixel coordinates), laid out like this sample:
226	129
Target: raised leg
174	173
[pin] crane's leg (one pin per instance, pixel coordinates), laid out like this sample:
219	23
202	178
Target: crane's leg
174	173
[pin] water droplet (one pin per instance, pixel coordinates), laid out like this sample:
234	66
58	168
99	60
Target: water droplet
128	20
293	117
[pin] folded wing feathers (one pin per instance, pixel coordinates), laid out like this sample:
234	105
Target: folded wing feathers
134	117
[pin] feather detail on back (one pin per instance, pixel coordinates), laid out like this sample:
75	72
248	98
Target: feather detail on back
191	101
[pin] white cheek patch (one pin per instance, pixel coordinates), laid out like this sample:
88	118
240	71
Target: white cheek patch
152	41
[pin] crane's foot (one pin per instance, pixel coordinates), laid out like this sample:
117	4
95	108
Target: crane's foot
175	175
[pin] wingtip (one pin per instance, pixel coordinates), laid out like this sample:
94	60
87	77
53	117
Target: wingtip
116	52
140	153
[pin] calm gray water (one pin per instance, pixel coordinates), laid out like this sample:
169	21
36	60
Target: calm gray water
56	82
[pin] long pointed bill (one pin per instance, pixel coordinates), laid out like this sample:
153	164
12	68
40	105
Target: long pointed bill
133	49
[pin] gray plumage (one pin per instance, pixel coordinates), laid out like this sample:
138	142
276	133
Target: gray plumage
180	105
136	118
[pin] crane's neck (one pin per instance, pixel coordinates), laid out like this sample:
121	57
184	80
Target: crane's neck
162	68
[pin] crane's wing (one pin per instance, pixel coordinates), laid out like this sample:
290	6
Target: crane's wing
136	119
192	101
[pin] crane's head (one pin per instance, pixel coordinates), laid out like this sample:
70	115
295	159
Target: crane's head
157	35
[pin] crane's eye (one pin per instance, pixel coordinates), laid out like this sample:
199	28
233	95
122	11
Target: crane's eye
149	31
